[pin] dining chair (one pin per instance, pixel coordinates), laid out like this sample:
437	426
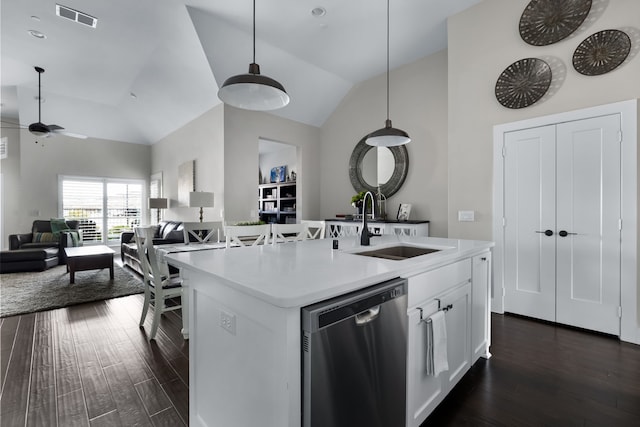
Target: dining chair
246	235
202	232
403	230
315	229
159	285
345	230
281	233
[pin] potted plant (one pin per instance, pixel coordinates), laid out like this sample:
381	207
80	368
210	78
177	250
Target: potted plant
356	201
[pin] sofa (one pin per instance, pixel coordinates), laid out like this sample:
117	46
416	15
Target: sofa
42	248
167	232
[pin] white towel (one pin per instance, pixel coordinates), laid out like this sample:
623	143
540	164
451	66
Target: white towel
437	344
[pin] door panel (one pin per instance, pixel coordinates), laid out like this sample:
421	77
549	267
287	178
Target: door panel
458	328
588	186
425	391
529	203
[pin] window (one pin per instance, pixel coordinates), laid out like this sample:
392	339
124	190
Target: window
104	207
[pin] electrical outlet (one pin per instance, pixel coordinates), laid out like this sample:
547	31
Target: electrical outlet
228	322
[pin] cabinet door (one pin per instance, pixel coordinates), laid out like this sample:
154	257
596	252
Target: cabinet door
480	312
424	392
458	318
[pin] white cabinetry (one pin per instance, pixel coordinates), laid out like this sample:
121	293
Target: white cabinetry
447	288
480	306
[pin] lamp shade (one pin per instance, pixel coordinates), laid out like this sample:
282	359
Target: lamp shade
388	136
158	203
200	199
253	91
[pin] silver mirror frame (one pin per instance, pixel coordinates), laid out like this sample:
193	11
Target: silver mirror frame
400	170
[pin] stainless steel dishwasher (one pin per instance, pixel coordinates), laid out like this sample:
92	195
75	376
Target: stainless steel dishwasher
354	352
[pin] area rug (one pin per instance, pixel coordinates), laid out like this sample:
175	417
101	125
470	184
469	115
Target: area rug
44	290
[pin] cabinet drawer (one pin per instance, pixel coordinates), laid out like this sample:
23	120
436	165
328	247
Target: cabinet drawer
426	285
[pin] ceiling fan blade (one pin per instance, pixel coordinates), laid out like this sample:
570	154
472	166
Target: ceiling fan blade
65	133
54	127
12	125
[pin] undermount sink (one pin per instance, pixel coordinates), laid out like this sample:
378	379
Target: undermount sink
398	253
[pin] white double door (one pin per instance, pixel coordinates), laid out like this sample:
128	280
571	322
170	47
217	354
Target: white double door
562	215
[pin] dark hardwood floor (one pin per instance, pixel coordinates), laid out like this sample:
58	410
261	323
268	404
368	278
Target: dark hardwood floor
546	375
91	365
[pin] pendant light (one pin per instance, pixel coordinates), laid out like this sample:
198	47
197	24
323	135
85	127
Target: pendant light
388	136
253	91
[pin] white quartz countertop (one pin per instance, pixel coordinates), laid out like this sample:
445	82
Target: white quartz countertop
298	274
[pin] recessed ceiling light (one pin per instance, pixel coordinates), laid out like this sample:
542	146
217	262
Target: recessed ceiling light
37	34
133	95
35	18
318	11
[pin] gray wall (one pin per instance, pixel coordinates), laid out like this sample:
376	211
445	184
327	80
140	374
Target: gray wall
201	140
242	131
483	41
418	102
224	143
286	156
30	173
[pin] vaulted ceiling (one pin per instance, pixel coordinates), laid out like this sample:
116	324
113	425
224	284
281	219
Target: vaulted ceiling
151	66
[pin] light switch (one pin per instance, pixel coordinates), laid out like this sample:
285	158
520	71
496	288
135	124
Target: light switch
466	216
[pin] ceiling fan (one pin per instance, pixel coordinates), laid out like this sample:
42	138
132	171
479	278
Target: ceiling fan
40	129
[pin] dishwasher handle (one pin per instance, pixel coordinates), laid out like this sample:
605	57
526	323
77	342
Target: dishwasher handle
367	315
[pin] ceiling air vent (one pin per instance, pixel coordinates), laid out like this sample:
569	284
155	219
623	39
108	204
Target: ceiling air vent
76	16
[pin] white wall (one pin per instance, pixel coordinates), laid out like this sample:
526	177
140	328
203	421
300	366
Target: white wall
242	131
31	172
287	156
418	102
10	170
483	41
201	140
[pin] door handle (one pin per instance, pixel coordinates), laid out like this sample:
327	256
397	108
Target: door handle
546	232
563	233
367	316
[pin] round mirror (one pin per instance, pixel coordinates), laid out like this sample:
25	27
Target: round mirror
370	167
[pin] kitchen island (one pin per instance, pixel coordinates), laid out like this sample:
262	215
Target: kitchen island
245	322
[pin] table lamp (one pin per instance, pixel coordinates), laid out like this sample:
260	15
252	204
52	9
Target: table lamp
200	199
158	203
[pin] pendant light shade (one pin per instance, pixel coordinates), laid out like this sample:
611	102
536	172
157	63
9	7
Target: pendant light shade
388	136
253	91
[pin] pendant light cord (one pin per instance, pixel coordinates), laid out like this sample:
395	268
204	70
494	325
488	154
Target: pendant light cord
387	59
254	31
39	98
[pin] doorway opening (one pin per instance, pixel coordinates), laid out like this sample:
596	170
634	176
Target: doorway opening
278	190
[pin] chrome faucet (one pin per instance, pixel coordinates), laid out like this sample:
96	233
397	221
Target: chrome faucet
365	234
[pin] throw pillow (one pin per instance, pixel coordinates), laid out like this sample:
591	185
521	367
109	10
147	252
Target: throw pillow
58	225
44	237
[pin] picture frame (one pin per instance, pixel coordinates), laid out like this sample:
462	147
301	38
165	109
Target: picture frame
404	210
186	181
278	174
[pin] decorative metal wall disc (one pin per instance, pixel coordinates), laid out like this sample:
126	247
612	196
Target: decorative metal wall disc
601	52
545	22
523	83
